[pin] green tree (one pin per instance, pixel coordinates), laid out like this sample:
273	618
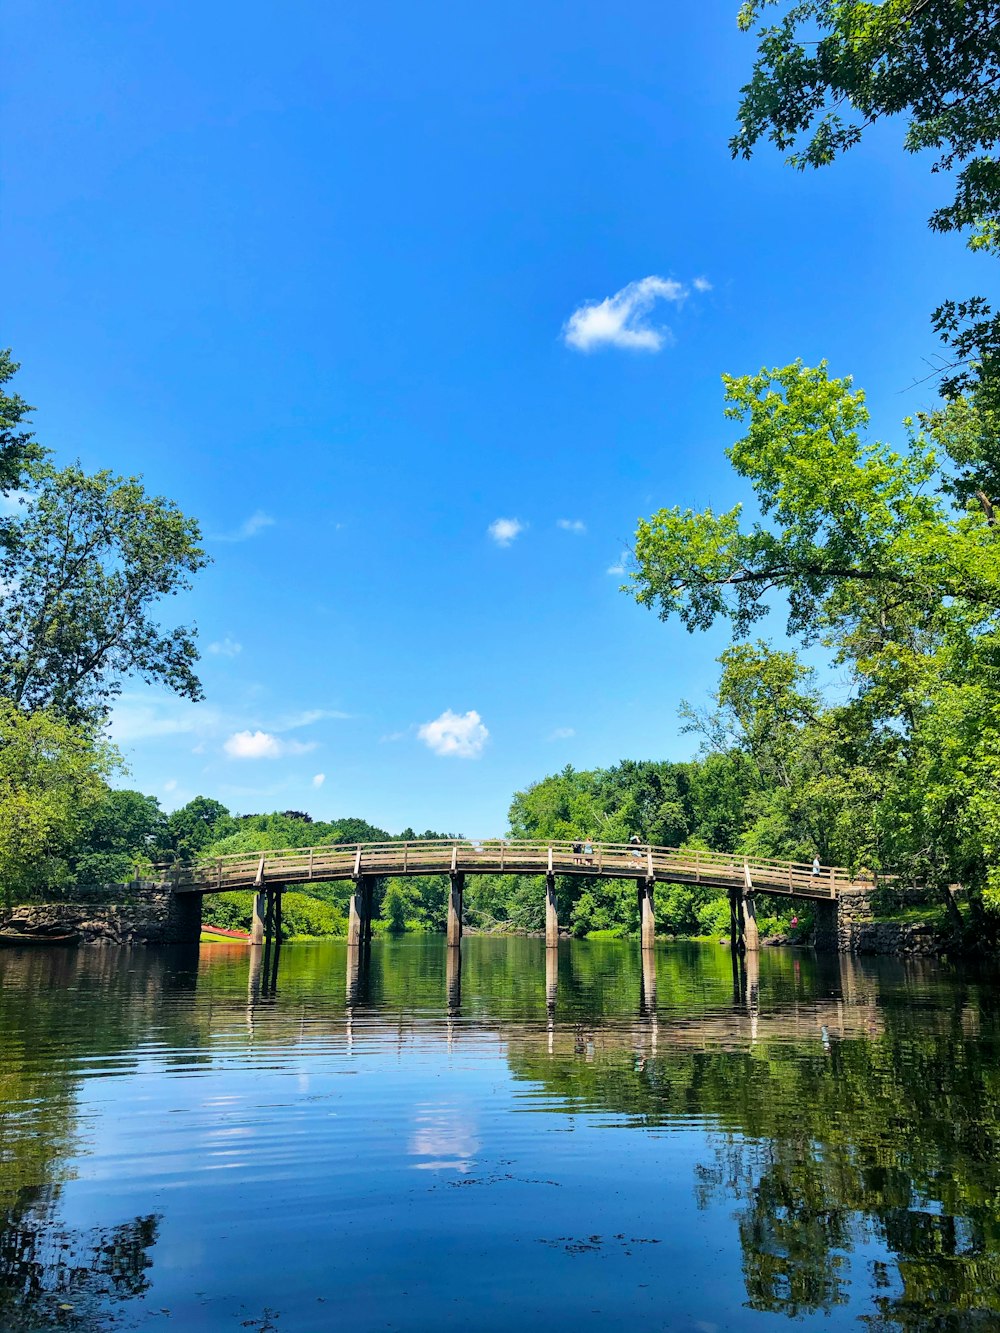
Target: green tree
894	566
120	832
89	559
18	448
52	780
192	828
829	69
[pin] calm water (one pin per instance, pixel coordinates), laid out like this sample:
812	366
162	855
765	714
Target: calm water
185	1145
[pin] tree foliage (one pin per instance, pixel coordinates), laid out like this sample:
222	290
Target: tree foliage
18	447
890	559
89	560
827	70
52	781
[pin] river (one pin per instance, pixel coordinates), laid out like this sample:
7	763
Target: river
188	1144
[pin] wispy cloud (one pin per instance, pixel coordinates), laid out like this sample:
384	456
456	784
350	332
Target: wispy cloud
319	779
263	745
562	734
576	525
620	320
461	735
257	522
702	285
170	784
226	647
619	566
307	716
137	718
504	530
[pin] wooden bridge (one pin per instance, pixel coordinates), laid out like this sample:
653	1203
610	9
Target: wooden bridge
268	873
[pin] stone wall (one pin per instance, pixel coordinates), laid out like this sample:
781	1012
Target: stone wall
858	931
143	912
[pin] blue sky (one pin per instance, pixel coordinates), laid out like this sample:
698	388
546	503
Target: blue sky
309	269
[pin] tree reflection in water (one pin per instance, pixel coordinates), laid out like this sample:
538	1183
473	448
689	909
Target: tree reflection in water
850	1113
52	1276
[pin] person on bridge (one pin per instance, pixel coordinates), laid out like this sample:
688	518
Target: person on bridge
588	852
816	865
635	844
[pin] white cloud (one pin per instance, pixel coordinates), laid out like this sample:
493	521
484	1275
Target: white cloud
619	566
702	285
226	647
562	734
576	525
262	745
460	734
170	784
619	320
504	530
319	779
248	528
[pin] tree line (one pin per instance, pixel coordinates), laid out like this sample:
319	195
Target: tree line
885	556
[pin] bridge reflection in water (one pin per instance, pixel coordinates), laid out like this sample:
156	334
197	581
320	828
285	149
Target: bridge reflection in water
739	1026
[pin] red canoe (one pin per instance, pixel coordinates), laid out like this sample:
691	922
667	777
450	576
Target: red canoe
225	934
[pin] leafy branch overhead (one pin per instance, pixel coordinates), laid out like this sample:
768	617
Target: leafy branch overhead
857	529
827	70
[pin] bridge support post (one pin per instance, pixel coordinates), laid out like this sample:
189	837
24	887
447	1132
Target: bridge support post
457	887
367	907
647	919
751	935
358	920
551	913
736	920
259	912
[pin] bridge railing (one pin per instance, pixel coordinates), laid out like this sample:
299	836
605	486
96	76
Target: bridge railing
506	856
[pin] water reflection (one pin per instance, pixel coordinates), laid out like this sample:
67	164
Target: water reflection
839	1120
52	1276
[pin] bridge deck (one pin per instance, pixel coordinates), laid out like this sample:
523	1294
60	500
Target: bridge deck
677	865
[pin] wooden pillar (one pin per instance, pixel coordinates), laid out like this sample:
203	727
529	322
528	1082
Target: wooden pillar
356	914
279	895
551	913
367	908
647	919
257	925
736	920
455	908
751	935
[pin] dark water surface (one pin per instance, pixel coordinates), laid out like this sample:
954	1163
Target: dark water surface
396	1146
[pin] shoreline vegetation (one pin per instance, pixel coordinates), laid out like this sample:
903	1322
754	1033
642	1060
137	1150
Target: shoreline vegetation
884	556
